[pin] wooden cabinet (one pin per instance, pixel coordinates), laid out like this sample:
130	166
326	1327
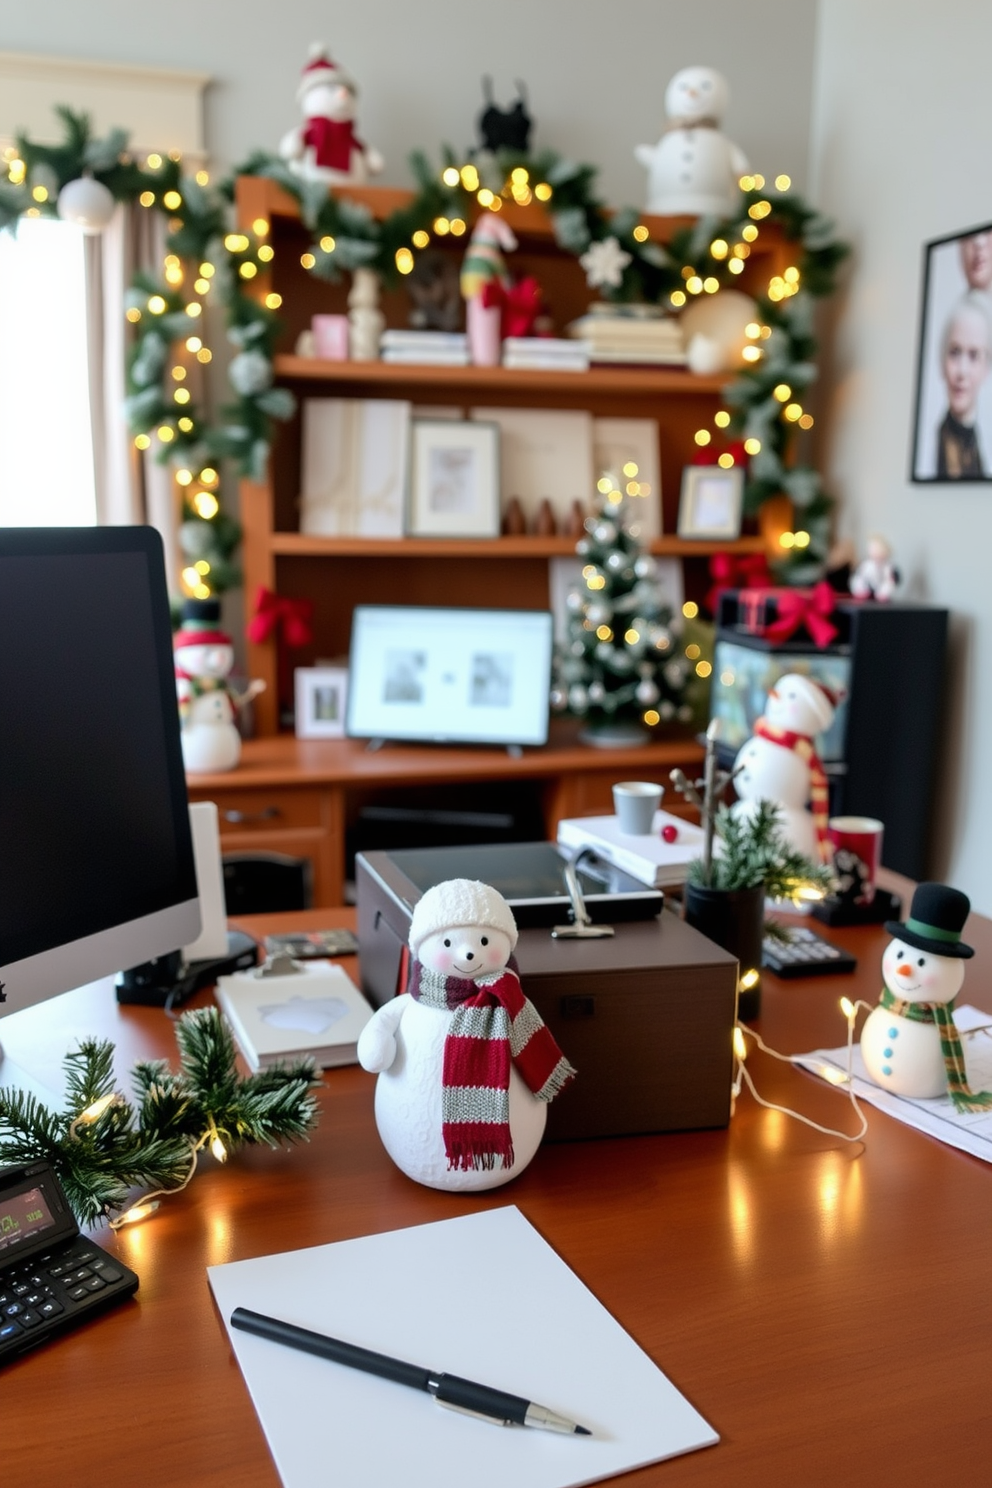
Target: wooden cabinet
337	573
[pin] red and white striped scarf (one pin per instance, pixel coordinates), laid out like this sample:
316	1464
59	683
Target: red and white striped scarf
802	744
492	1022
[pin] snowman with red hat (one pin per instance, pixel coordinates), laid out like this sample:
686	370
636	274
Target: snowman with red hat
780	763
203	656
325	146
909	1043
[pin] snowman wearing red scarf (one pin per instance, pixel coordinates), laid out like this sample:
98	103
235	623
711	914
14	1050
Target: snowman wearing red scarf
466	1064
325	146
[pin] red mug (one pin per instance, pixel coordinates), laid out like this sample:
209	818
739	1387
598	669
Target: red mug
857	844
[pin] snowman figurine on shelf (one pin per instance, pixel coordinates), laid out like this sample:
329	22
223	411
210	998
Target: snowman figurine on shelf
779	763
693	169
325	146
203	656
466	1064
909	1043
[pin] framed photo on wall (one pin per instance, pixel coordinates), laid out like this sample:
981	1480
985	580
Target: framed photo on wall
321	702
711	502
454	488
952	428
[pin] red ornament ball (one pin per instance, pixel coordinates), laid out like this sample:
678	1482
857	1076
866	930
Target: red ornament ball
670	833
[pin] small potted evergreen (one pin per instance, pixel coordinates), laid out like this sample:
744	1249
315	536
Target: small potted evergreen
749	863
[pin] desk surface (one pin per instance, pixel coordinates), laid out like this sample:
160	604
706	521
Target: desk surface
826	1307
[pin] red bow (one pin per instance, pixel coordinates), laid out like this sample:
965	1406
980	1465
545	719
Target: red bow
809	607
290	616
520	304
728	571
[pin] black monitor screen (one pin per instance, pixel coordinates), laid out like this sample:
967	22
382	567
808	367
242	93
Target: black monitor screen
93	818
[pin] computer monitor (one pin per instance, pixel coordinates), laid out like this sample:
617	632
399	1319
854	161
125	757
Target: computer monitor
96	859
449	676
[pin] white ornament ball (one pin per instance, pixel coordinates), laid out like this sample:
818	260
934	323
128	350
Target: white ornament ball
645	566
647	692
717	322
615	561
577	699
603	532
558	699
575	601
250	373
674	674
87	204
597	692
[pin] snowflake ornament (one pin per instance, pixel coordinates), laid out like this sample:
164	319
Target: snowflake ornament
604	264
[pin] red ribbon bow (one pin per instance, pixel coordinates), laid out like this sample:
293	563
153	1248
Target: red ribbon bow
809	607
290	616
520	304
733	571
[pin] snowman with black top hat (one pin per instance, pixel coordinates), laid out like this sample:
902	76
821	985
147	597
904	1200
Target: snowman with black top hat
909	1043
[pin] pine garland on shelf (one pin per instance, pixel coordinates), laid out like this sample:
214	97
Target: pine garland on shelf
103	1146
763	408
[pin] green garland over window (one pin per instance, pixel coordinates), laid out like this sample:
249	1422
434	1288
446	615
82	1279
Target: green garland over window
206	260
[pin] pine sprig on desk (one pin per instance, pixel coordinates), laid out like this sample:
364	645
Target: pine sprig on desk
104	1146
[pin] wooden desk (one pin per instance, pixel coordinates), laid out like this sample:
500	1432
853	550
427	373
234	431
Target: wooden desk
297	796
827	1308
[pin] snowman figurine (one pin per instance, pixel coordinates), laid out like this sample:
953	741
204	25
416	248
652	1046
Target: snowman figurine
779	763
204	656
325	146
693	169
909	1042
466	1064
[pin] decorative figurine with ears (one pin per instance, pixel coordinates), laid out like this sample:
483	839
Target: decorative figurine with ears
909	1042
466	1064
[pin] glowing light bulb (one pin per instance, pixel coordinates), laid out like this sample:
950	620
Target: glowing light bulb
421	238
441	226
630	468
157	305
451	175
651	717
186	424
182	395
806	422
204	354
736	266
711	285
327	243
147	198
702	436
740	1047
135	1214
721	419
847	1008
184	477
703	668
749	232
142	442
166	433
543	191
632	636
752	446
193	343
207	270
266	253
205	505
404	260
677	297
194	308
202	178
273	300
725	461
604	633
307	260
690	609
458	226
153	162
694	284
787	540
782	392
641	233
96	1110
172	200
485	197
260	227
134	315
470	177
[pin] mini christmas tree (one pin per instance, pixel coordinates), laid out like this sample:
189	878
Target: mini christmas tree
620	667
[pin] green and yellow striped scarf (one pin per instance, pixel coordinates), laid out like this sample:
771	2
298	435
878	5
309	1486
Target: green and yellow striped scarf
942	1013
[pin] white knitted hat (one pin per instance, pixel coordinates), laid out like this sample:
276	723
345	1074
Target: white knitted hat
460	902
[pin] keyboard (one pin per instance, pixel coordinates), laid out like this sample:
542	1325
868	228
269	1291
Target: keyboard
805	954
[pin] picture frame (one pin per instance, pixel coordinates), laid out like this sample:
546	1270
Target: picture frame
711	502
321	695
952	423
454	479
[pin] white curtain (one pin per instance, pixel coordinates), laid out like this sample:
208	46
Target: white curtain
130	487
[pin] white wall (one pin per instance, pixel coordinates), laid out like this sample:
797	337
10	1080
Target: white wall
595	72
901	146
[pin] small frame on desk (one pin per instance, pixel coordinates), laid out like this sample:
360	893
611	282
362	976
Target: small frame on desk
711	502
321	702
454	490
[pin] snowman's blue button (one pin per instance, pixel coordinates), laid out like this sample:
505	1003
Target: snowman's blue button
886	1069
887	1053
893	1033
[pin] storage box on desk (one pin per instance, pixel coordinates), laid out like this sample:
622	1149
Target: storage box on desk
646	1016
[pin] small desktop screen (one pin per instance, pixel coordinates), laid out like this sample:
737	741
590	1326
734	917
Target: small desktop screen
450	676
743	676
96	860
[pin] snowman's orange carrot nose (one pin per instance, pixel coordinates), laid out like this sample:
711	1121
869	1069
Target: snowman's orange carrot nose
904	970
773	693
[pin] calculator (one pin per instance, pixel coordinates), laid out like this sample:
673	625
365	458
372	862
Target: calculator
51	1277
805	954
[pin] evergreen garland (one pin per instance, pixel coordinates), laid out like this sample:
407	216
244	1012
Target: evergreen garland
203	254
102	1146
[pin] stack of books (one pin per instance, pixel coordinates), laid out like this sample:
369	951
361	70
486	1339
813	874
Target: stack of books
316	1012
546	353
426	348
630	333
649	859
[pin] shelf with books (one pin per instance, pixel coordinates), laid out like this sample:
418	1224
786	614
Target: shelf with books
336	573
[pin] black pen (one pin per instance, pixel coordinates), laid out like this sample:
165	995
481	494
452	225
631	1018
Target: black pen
448	1390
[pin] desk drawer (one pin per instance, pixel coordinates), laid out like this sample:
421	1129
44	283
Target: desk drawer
253	811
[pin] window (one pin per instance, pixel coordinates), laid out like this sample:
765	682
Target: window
46	450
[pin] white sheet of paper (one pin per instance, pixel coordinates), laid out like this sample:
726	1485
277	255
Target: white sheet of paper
971	1131
483	1296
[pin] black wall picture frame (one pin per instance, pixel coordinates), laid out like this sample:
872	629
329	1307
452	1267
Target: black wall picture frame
952	426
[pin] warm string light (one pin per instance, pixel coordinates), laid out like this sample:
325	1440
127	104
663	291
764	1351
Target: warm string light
742	1076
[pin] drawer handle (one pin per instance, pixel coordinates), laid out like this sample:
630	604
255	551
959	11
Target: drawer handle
241	818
